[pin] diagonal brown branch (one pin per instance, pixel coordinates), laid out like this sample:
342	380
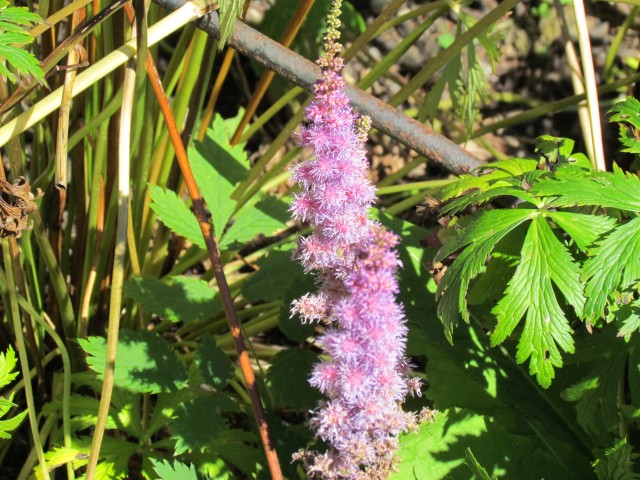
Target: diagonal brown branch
305	73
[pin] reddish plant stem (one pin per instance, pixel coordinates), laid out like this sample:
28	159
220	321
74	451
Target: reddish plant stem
214	257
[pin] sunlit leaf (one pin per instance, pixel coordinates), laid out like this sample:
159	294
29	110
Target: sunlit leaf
179	299
145	363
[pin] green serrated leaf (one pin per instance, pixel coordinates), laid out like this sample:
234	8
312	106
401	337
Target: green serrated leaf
199	422
626	113
480	237
280	278
218	168
114	457
266	217
289	372
583	229
617	463
8	426
438	451
613	266
597	395
8	362
213	363
230	11
615	189
475	467
166	470
629	315
174	213
543	260
183	299
12	36
145	363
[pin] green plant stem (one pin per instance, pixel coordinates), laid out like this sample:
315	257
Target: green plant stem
590	84
437	63
27	468
405	204
22	354
66	369
617	41
117	277
427	184
551	107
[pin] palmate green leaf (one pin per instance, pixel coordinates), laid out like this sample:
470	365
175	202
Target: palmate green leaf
543	260
614	265
617	463
218	168
182	299
629	315
615	189
479	238
174	213
167	470
145	363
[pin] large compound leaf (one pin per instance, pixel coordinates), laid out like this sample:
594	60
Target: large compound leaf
145	363
182	299
479	238
543	260
614	265
438	451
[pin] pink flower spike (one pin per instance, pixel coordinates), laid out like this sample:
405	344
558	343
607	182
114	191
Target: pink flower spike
366	377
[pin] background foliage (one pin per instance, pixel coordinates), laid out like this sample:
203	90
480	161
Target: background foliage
536	251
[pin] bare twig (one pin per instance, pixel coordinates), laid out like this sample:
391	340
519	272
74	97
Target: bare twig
304	73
